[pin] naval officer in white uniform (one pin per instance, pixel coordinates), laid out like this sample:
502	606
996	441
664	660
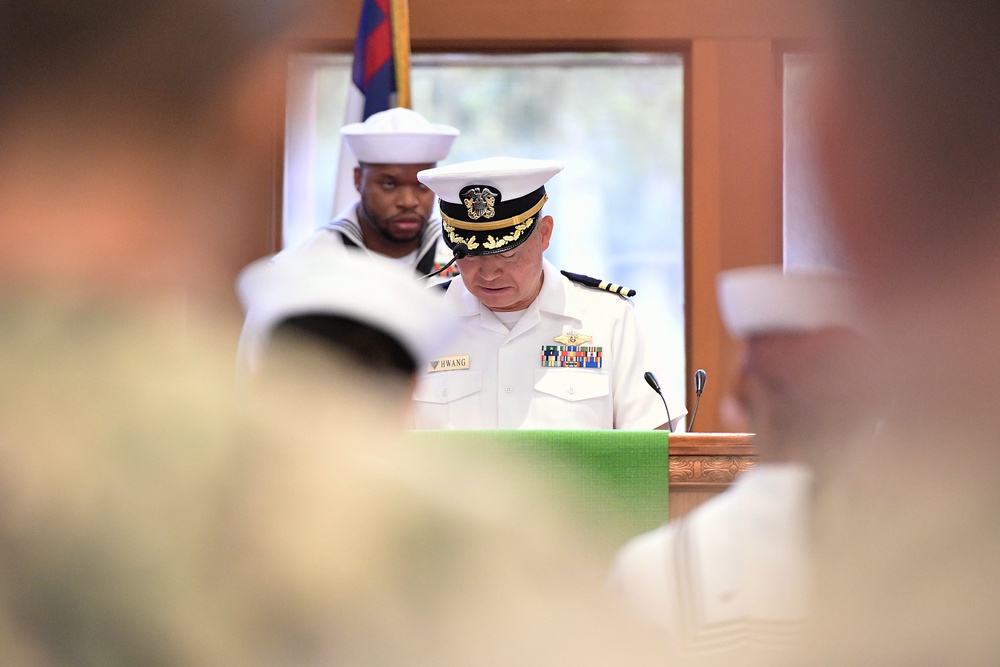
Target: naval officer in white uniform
535	348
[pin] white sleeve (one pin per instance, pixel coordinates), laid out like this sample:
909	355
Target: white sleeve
637	406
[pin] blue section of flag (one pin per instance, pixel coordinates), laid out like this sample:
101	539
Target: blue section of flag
380	88
374	71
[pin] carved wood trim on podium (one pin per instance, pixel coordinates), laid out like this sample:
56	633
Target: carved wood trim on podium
704	464
710	458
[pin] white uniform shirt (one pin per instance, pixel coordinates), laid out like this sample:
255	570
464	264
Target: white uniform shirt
733	574
346	225
503	384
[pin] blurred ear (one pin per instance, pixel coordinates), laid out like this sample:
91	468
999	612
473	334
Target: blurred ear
545	229
357	179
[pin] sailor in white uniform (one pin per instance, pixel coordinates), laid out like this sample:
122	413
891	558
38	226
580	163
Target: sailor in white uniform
394	214
731	578
535	348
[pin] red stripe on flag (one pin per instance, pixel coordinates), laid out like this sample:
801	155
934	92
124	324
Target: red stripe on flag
378	46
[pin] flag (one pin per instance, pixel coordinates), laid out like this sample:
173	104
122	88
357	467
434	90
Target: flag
374	74
380	78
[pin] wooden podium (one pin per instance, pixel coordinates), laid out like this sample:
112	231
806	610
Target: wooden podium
704	464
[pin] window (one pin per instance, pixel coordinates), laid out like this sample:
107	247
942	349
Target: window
616	120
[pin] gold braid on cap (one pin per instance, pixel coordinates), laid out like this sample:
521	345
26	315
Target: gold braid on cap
496	224
490	243
455	238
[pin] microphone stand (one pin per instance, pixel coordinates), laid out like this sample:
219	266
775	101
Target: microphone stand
651	381
699	386
460	251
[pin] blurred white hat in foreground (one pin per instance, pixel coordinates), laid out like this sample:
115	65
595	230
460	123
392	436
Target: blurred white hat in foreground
399	136
369	289
762	299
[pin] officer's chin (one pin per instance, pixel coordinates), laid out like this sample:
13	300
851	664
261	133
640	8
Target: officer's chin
495	298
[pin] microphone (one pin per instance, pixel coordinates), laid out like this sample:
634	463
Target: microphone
699	386
460	252
651	381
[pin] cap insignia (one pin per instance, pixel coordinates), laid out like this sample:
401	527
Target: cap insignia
573	338
479	202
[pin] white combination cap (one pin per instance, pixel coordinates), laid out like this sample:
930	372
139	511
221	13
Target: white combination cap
490	205
513	177
347	283
767	299
399	136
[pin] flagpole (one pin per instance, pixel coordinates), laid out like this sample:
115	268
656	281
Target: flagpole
400	13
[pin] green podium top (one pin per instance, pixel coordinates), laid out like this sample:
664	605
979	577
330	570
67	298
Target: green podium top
614	482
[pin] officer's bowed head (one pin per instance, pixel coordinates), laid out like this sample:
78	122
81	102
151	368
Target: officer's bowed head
491	205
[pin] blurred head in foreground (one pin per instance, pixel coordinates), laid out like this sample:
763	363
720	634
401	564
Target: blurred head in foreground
807	372
135	141
367	315
906	134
